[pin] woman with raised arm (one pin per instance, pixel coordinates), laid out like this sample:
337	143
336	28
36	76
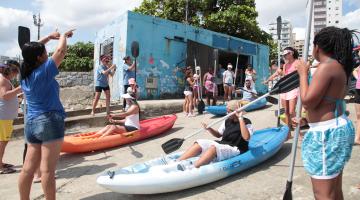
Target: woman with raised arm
44	128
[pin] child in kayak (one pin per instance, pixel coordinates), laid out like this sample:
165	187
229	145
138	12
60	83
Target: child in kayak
327	145
234	133
131	117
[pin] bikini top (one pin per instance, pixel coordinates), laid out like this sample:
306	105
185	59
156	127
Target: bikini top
339	104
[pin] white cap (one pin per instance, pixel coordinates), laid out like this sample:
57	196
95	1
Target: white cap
230	66
286	52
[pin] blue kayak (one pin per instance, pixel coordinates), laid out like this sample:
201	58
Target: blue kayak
220	110
160	175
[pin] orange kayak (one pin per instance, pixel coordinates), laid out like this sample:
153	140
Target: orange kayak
85	142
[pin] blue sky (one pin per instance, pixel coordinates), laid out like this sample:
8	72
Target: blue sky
88	16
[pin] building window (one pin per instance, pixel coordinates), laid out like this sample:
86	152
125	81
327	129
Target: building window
337	8
337	22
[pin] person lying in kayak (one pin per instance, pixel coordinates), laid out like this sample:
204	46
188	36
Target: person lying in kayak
130	121
234	132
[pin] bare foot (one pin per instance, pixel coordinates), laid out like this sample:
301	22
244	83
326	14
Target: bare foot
92	113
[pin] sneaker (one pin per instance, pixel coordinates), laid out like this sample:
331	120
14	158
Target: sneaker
191	115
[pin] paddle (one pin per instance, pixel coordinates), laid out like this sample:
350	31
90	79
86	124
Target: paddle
270	99
288	192
279	25
135	52
23	35
285	84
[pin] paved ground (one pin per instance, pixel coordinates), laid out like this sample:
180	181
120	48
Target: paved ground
77	173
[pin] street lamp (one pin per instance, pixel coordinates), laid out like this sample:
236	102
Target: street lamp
37	22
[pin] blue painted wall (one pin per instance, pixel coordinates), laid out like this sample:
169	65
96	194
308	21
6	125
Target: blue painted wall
161	53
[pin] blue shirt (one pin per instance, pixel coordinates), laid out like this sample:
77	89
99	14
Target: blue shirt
42	90
127	74
101	79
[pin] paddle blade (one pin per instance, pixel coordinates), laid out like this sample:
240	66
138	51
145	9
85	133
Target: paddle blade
172	145
272	100
288	194
286	83
201	106
135	49
23	35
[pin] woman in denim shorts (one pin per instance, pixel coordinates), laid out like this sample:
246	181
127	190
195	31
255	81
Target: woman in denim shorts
44	127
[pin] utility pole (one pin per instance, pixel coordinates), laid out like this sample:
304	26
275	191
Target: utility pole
186	11
37	22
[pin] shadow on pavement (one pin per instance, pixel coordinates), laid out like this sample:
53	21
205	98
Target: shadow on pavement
78	171
281	155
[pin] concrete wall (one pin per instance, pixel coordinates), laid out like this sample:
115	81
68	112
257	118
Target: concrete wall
163	49
71	79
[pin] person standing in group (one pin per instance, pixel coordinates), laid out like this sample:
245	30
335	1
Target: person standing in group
195	89
210	87
102	82
188	104
289	99
8	109
45	126
219	80
129	72
250	73
327	145
356	74
228	80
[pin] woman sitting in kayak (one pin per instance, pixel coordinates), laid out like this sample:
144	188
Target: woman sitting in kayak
130	121
235	133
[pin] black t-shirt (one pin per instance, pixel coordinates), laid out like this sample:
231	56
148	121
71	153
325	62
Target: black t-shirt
232	135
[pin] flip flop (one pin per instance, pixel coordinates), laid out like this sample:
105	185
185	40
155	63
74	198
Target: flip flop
7	171
6	165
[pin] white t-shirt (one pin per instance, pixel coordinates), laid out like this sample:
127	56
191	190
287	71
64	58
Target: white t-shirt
229	77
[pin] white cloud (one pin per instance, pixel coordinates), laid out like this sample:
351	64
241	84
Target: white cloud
352	20
83	13
300	33
87	16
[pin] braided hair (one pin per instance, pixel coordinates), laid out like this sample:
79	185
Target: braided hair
338	43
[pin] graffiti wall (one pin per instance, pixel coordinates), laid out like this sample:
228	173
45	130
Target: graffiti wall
163	52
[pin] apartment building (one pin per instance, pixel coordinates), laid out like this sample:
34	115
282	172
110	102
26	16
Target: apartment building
287	36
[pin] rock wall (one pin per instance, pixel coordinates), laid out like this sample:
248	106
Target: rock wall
76	89
71	79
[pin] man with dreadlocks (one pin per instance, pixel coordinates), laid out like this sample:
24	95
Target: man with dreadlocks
327	145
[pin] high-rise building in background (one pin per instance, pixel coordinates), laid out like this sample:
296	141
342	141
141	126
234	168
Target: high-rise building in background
299	46
326	13
287	36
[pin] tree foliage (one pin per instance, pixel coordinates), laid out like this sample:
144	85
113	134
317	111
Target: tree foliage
233	17
79	57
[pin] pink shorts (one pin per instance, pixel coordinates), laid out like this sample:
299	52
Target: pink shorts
293	94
